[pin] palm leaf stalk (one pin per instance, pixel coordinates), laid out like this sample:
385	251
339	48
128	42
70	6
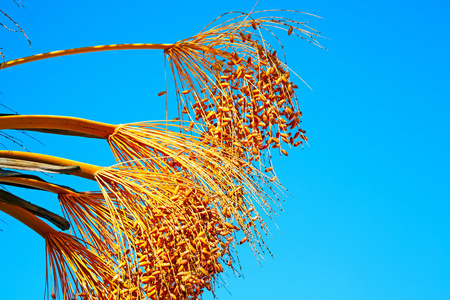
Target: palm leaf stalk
41	56
72	268
172	228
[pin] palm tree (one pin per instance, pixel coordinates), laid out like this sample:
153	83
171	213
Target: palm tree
163	224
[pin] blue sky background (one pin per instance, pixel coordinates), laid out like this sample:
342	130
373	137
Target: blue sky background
370	216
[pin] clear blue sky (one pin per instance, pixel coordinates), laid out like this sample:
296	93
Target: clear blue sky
370	216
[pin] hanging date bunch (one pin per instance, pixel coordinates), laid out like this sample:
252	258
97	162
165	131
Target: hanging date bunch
231	79
168	219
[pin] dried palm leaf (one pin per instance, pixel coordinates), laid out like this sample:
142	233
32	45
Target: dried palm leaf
58	221
87	212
